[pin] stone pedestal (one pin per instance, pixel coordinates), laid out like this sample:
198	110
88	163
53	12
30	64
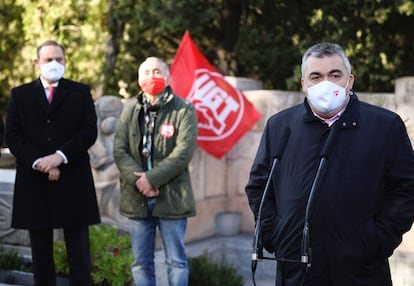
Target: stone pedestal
227	223
9	235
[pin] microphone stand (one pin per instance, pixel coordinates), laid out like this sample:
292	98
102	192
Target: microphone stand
306	257
306	251
258	250
258	253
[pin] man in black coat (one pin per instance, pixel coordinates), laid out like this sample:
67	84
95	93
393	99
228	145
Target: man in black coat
363	200
54	186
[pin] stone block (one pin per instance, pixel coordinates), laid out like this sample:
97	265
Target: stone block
227	223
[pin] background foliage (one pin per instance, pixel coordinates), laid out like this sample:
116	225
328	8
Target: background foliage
111	256
112	259
105	40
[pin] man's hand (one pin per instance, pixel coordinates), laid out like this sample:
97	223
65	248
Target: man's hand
144	186
54	174
49	162
151	193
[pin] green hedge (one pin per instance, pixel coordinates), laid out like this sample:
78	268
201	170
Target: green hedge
112	258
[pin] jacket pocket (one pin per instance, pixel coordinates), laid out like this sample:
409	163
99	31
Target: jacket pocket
176	200
131	201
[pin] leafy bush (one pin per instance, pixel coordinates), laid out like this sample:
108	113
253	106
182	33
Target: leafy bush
111	257
11	260
61	258
204	272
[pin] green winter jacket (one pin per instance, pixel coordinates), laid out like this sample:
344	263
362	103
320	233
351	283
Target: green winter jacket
175	135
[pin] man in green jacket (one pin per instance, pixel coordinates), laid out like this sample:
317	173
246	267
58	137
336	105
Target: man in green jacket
154	143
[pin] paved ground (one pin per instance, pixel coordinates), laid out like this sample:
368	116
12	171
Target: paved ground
238	253
237	250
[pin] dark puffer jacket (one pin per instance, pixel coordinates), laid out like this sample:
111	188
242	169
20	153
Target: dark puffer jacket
363	203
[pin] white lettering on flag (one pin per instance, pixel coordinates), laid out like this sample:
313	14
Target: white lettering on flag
216	106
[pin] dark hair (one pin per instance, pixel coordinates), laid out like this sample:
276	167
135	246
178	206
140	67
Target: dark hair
49	43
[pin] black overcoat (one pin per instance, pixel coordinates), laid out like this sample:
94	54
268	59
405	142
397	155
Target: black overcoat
363	203
35	129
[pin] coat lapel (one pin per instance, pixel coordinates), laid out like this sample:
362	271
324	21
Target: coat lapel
60	94
40	95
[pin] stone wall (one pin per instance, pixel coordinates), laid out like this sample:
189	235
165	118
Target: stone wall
222	206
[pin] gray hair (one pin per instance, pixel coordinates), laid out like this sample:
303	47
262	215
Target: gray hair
164	65
325	50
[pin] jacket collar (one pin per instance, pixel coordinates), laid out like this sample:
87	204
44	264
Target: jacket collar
170	96
59	95
349	119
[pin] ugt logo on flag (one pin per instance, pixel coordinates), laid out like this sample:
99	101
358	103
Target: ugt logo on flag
224	114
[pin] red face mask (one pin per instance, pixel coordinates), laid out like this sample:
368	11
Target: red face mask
153	85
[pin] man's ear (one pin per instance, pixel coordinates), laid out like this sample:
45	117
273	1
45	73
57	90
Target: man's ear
351	81
36	62
302	82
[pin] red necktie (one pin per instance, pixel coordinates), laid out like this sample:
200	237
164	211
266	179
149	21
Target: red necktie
51	89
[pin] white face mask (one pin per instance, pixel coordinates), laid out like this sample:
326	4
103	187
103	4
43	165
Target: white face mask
52	71
326	96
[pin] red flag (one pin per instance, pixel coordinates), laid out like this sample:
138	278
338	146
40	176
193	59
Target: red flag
224	114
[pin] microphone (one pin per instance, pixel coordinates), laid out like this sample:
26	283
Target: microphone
306	251
258	249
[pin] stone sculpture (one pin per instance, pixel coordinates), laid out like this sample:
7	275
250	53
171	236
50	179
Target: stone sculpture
104	170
